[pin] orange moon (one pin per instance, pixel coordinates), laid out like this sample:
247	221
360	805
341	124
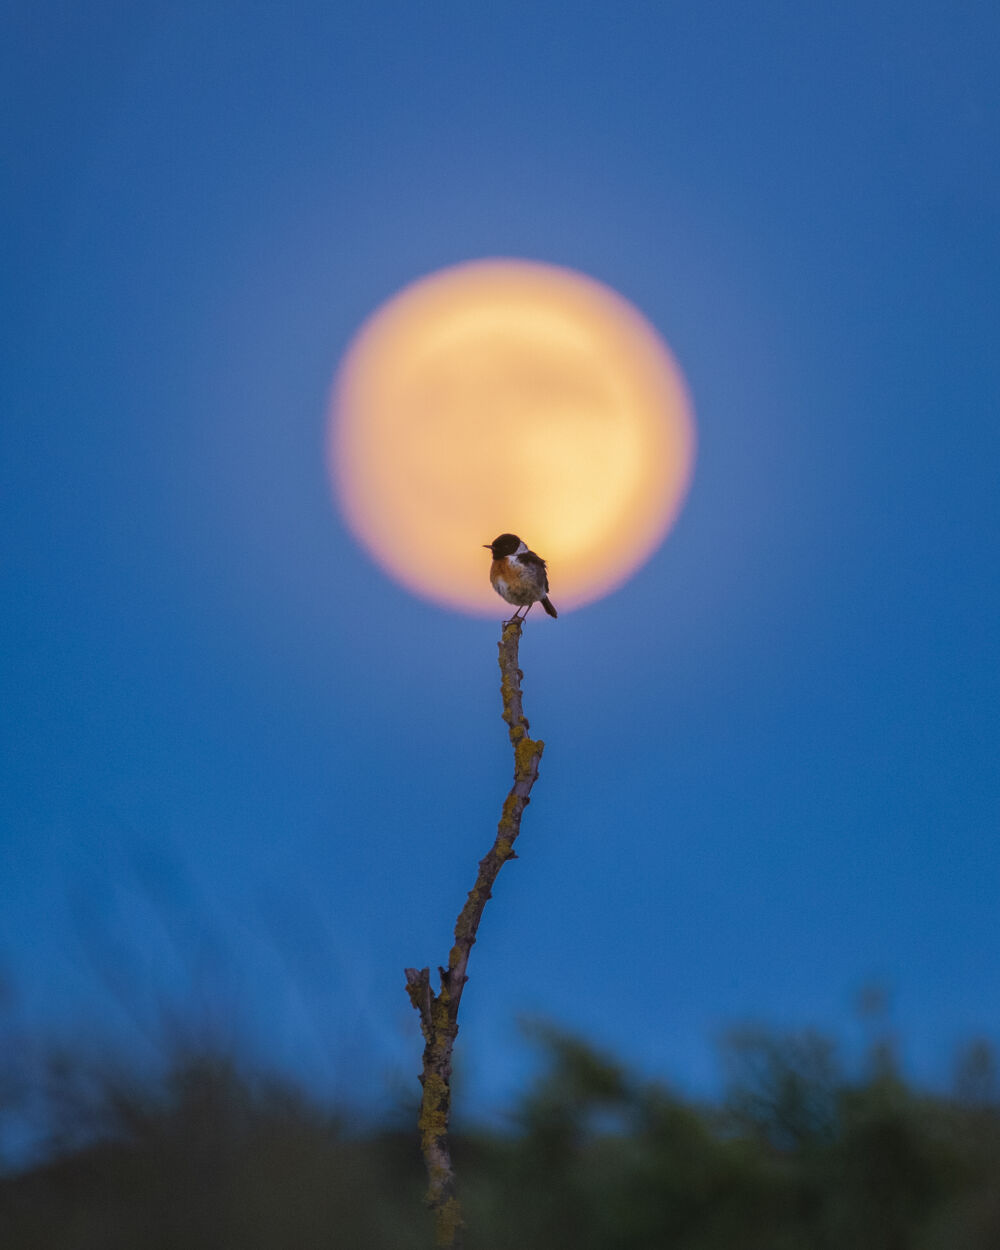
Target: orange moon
509	395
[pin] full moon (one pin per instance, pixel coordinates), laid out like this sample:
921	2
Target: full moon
509	396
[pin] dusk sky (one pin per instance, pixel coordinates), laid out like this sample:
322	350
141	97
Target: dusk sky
246	777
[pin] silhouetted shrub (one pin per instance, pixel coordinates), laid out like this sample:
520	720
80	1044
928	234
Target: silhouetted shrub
797	1157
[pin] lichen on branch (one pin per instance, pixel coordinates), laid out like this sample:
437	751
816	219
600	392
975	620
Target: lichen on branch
439	1011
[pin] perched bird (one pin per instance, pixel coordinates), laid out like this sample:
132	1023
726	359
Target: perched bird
518	575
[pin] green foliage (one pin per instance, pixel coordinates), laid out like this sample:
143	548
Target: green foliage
799	1156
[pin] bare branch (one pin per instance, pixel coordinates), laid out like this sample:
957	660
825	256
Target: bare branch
439	1012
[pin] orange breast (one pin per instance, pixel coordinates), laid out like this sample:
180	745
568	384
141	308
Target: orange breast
514	582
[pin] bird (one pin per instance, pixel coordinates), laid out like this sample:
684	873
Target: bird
518	575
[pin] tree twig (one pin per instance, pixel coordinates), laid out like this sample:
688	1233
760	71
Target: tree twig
439	1012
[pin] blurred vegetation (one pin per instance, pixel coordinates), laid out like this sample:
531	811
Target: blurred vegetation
799	1154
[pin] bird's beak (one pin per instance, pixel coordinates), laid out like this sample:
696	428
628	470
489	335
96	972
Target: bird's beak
488	546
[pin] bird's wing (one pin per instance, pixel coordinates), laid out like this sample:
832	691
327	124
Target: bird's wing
536	562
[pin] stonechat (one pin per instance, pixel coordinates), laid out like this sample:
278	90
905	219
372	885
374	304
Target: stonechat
518	575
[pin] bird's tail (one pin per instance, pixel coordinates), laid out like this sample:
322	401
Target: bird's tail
547	605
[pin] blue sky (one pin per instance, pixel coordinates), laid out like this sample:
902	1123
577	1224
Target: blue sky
246	779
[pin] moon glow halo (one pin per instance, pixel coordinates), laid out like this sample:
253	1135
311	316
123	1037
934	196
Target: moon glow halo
509	395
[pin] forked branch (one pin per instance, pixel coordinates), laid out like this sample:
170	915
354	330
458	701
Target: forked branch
439	1012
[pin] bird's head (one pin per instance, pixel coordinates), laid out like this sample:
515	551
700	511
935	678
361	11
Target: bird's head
505	545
